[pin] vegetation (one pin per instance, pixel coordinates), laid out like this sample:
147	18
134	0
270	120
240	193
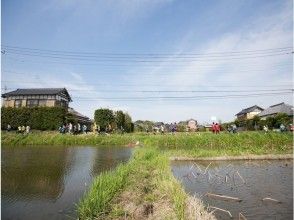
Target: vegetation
144	186
257	124
108	120
202	144
41	118
55	138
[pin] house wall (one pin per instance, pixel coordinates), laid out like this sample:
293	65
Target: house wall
250	115
8	103
50	103
24	103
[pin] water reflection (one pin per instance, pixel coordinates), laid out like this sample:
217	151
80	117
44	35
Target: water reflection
262	179
46	182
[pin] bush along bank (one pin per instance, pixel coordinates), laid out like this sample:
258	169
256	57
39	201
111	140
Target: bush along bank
144	188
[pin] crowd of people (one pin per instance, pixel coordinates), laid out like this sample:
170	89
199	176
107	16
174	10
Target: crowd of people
73	128
20	129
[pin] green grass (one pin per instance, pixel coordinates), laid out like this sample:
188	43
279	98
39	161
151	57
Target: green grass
56	139
182	144
146	179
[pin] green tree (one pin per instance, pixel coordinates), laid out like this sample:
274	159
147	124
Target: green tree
120	119
282	118
103	118
129	125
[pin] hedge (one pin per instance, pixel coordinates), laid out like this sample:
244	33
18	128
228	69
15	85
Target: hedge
40	118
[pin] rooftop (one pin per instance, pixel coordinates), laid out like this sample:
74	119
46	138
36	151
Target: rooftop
250	109
37	91
278	108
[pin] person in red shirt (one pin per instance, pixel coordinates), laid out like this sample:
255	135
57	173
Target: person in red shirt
217	128
213	128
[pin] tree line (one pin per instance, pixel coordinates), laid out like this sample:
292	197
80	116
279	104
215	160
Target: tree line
109	120
256	123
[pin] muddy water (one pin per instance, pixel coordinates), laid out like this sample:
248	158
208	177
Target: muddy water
251	181
47	182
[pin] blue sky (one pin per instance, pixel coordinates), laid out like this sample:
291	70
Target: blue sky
165	28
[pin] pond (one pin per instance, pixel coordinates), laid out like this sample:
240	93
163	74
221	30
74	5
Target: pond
47	182
265	187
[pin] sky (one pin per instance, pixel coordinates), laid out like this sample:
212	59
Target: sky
160	60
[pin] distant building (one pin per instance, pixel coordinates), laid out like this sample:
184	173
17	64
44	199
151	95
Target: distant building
49	97
249	113
43	97
192	125
275	109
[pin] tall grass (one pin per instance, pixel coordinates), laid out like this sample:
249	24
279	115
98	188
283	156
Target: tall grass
181	144
146	179
104	188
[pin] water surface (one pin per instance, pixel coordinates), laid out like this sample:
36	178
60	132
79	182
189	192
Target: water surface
259	179
46	182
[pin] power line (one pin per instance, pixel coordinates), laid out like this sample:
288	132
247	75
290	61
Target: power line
163	73
116	56
178	91
125	64
138	84
180	98
148	60
143	54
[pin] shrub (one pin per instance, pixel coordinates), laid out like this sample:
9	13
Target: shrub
40	118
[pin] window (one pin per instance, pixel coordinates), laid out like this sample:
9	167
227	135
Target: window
17	103
32	102
42	102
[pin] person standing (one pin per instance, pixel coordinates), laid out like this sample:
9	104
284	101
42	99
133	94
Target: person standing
28	129
79	128
162	129
8	127
70	128
23	129
265	128
213	128
217	128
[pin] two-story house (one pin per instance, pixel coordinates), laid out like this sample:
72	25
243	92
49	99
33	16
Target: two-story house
42	97
49	97
249	113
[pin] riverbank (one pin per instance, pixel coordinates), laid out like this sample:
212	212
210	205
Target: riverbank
178	145
144	188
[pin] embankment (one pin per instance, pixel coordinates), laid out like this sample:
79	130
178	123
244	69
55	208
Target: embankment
144	188
178	145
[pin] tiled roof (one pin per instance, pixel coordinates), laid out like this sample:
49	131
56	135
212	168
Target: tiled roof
79	115
278	108
247	110
37	91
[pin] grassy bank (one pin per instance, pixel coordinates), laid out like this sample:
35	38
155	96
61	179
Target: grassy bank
57	139
144	188
225	144
181	144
